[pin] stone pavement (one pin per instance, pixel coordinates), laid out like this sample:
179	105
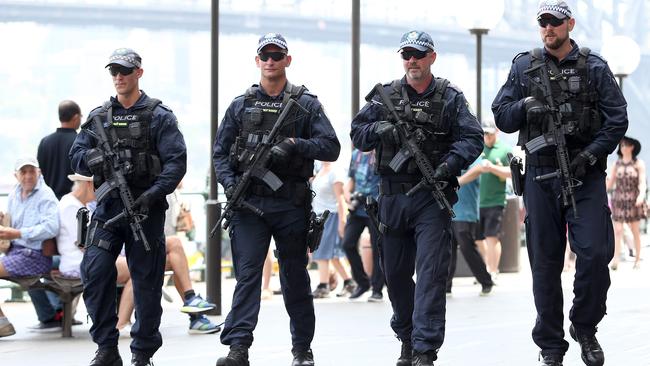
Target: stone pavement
487	331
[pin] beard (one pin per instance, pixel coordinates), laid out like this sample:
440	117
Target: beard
557	43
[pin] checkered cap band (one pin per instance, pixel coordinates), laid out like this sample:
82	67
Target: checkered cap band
416	42
556	8
272	38
127	58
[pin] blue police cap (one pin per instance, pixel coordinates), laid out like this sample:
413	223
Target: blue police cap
272	38
416	39
558	9
125	57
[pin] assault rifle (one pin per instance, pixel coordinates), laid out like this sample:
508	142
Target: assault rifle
260	160
556	136
117	181
411	149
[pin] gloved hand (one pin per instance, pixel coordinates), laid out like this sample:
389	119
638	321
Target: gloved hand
534	110
442	172
229	191
95	161
387	132
281	152
144	202
578	165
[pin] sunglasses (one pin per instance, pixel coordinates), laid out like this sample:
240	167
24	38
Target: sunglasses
118	69
276	56
406	55
553	21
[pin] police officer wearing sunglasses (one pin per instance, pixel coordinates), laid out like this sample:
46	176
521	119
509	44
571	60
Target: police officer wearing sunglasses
593	115
416	234
247	121
145	135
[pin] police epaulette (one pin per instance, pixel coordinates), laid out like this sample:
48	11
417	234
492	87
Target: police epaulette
519	55
165	107
307	92
97	110
455	87
589	52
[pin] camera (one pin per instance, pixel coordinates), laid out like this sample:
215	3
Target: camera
356	200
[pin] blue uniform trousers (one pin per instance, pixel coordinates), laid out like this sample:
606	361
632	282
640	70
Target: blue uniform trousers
590	237
147	269
418	238
250	237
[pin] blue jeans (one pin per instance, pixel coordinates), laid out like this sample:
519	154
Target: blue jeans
46	304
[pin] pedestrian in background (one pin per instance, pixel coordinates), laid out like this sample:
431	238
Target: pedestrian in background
627	178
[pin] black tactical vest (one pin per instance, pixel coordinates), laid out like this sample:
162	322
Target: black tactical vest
259	117
575	97
131	138
427	122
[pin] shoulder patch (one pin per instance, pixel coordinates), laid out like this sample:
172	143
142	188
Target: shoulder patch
517	56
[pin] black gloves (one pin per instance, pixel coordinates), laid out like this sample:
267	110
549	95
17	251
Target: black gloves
229	191
442	172
144	202
578	166
281	152
95	161
535	110
387	132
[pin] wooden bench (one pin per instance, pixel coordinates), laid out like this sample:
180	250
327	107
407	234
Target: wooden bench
68	290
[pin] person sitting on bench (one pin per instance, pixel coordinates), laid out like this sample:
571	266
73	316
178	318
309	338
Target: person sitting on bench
32	206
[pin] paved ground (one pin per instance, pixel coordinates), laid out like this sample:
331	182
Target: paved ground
489	331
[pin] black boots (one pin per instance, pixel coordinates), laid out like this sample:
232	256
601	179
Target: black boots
303	358
590	350
139	359
551	360
424	359
406	357
107	357
238	356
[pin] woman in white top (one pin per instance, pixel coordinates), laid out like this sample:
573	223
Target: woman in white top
328	186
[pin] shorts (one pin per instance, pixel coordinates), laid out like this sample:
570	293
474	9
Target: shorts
490	222
23	262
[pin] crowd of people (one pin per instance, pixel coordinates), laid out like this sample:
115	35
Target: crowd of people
426	178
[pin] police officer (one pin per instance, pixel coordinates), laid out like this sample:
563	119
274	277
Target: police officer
416	231
247	121
593	113
145	135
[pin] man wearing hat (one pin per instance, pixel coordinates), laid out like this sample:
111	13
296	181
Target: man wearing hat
416	232
248	120
152	156
34	218
592	112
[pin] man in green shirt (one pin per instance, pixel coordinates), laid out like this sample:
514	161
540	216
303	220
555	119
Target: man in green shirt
492	195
